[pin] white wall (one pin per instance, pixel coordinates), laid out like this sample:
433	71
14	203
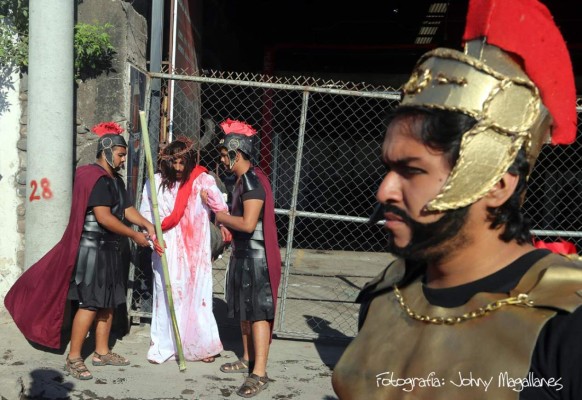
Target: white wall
10	239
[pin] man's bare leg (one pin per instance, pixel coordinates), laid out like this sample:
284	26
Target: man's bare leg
248	351
102	331
261	335
81	325
103	354
247	341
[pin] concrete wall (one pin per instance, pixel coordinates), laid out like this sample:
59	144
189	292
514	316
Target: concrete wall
11	242
106	98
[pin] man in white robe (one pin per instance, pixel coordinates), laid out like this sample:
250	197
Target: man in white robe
186	226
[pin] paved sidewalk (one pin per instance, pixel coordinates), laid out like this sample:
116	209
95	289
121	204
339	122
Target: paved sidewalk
298	370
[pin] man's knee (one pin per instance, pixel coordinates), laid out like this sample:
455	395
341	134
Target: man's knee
245	327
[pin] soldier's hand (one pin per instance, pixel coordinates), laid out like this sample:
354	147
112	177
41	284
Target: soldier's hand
204	196
157	246
226	235
140	239
151	229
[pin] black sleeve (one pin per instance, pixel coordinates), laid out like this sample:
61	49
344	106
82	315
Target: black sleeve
257	193
558	355
123	195
101	194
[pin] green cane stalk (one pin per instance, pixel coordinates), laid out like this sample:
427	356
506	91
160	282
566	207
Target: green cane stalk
160	236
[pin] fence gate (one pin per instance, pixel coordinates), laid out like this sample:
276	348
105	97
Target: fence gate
320	146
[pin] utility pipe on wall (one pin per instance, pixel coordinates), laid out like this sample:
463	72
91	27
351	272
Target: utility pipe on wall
50	161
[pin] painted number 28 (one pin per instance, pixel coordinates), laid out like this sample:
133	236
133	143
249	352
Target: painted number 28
44	190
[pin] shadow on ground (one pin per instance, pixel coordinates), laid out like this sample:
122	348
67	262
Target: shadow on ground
47	384
330	343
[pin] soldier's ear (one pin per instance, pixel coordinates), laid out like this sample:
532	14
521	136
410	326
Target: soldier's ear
502	190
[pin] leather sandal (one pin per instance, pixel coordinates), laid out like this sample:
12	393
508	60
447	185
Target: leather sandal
240	365
109	359
253	385
77	369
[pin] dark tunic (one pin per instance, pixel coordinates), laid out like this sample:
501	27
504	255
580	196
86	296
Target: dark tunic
98	280
248	288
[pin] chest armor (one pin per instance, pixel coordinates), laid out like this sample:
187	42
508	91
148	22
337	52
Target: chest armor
397	357
91	227
118	190
244	244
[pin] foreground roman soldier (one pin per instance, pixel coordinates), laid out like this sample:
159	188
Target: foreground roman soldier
470	309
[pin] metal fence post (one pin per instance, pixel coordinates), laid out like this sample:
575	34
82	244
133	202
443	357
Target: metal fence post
293	209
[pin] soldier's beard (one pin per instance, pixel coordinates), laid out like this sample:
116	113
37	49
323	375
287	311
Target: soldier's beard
431	242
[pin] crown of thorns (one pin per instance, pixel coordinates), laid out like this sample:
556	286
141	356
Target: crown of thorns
169	157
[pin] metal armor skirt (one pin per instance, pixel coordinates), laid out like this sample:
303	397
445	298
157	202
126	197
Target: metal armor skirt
248	289
98	281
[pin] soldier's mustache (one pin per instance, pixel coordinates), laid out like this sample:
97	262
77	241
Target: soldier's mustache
381	208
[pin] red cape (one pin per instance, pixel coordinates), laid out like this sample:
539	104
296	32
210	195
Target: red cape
37	299
270	234
182	199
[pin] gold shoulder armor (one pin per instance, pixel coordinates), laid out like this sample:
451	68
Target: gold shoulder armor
555	282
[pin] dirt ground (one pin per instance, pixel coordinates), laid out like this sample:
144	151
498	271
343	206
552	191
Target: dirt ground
320	311
299	369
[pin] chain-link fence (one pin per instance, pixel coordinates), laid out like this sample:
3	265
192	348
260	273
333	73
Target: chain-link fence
320	146
554	200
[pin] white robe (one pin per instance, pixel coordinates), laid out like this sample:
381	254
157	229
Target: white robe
190	271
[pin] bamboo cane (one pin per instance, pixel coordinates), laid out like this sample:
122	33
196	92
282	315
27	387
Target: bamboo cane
158	224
